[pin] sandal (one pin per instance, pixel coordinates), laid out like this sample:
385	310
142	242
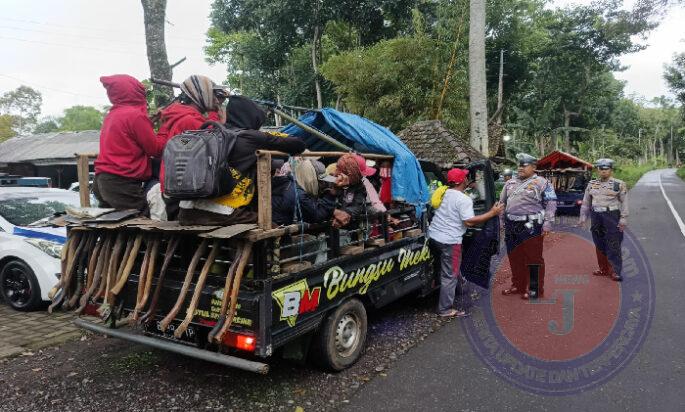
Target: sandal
531	294
511	291
454	313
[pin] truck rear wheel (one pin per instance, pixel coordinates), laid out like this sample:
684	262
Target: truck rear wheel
341	339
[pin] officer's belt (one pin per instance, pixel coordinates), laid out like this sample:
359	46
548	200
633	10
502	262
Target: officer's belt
605	209
522	218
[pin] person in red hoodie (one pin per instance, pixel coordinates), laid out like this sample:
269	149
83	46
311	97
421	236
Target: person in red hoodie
127	142
199	95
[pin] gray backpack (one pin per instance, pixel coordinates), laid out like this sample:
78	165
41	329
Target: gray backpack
196	162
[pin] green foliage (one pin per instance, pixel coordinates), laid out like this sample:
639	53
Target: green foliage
23	104
77	118
47	125
630	172
681	173
675	77
6	130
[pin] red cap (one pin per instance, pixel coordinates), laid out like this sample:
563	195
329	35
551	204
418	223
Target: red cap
363	167
457	175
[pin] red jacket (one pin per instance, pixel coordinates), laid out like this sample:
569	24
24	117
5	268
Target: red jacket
176	119
127	139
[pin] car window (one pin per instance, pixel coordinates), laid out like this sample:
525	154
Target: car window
24	211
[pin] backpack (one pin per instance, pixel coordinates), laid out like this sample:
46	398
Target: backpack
196	162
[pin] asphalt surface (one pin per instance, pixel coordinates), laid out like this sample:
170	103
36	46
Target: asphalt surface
444	373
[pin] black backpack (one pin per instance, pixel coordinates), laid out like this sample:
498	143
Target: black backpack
196	162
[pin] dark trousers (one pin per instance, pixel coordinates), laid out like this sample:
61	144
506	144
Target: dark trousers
607	239
119	192
524	247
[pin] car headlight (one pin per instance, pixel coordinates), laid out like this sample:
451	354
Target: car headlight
50	248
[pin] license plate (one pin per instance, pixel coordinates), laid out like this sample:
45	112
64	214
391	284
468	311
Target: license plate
189	334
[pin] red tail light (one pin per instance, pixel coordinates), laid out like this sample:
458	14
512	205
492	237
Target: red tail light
579	202
242	342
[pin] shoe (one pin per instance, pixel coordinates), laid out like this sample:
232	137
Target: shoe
511	291
531	294
454	313
617	278
599	273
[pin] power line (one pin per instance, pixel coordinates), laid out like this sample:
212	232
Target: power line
81	36
49	88
71	46
100	29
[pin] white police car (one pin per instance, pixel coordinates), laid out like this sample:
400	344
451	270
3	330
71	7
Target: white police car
29	248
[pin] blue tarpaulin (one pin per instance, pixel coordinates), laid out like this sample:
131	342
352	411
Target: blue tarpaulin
365	136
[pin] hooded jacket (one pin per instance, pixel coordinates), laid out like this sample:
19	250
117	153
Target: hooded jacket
176	119
127	139
284	195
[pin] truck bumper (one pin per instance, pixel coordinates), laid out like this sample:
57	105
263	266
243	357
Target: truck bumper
206	355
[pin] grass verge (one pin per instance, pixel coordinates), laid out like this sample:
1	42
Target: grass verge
631	173
681	173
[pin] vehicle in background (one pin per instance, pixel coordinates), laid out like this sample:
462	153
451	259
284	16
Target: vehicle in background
20	181
569	176
29	247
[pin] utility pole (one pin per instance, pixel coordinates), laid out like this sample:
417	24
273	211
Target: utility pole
477	81
670	149
500	88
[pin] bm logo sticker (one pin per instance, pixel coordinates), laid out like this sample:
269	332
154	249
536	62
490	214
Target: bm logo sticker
296	299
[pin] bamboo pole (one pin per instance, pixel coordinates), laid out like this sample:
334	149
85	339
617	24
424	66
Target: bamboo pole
325	154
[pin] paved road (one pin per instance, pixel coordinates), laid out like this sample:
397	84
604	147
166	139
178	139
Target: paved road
444	373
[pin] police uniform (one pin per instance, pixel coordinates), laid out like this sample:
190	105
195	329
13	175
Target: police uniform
530	206
605	203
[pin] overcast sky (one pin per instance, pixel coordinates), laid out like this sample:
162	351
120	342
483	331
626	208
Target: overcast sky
62	50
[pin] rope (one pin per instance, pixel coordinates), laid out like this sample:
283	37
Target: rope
298	208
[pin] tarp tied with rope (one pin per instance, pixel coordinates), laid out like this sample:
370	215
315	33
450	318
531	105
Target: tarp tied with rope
365	136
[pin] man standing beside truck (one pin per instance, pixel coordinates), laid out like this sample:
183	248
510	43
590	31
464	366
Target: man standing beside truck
446	230
530	207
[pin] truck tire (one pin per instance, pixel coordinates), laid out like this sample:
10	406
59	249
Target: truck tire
19	287
340	340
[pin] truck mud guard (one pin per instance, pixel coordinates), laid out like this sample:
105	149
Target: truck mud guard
227	360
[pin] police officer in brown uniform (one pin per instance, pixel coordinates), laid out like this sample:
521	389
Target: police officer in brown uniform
605	203
530	207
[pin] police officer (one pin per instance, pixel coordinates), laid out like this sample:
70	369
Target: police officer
605	203
507	174
530	203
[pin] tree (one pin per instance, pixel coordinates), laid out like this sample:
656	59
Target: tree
154	12
477	82
23	104
77	118
47	125
6	131
674	75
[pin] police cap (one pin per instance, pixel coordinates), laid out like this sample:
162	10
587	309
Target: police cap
604	163
525	159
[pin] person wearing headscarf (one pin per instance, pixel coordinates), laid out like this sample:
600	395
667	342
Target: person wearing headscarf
200	100
351	203
291	203
244	118
127	143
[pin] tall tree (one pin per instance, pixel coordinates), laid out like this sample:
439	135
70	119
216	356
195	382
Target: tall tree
24	105
6	131
154	12
674	75
77	118
478	107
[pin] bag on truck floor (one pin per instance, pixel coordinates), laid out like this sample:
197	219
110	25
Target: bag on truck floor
196	162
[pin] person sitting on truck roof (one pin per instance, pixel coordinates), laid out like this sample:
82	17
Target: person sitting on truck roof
127	143
452	217
245	117
200	100
291	203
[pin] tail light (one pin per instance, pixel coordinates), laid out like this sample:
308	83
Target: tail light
579	202
240	341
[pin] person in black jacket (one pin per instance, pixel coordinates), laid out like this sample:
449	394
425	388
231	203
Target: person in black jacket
245	118
285	196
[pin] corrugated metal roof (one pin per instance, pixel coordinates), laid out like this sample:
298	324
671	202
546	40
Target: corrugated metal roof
48	146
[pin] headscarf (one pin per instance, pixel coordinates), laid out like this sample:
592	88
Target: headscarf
200	89
347	165
306	177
